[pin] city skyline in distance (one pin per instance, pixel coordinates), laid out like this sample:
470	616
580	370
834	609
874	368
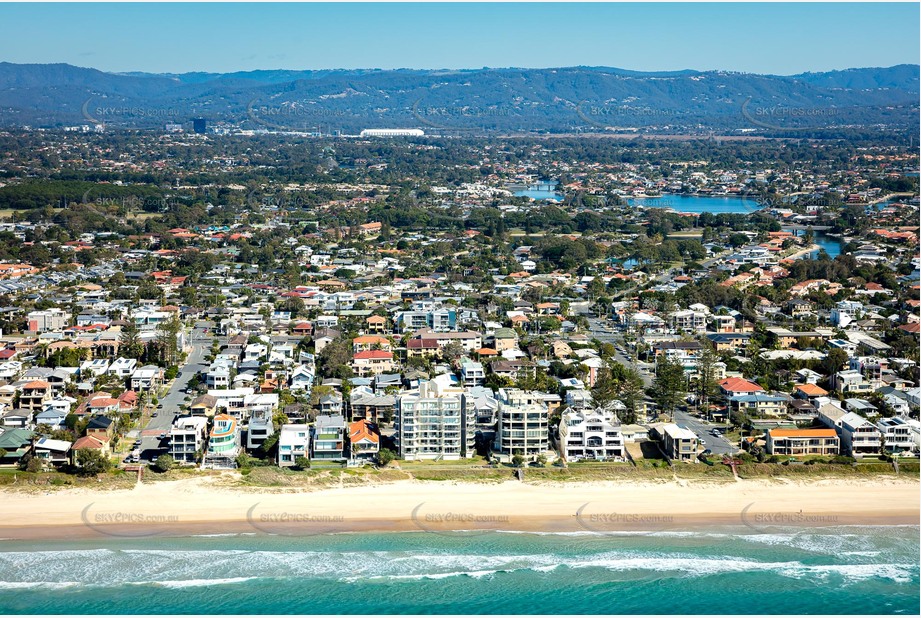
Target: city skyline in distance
779	39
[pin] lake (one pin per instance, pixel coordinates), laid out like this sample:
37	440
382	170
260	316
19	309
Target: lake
698	204
831	244
541	191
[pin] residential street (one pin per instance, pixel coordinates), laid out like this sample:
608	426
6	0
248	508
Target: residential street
152	446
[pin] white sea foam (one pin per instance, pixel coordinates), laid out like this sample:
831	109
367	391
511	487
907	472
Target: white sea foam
37	585
188	568
196	583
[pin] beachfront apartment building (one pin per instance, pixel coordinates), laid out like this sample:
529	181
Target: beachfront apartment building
592	435
433	422
293	442
678	443
688	321
223	444
523	423
187	438
802	442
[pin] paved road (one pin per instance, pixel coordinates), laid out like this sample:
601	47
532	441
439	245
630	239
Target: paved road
602	331
719	445
152	446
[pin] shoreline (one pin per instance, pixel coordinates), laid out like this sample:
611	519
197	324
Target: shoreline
197	507
804	251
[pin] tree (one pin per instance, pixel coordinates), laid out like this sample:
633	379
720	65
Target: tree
333	360
621	383
302	463
518	460
706	381
29	463
168	338
669	385
834	360
92	462
452	351
605	389
385	456
165	463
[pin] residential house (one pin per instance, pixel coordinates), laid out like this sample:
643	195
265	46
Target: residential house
850	381
147	378
365	405
373	362
101	427
92	443
293	442
187	439
858	435
204	405
733	387
900	435
328	439
35	395
223	443
364	440
472	373
590	434
759	405
52	452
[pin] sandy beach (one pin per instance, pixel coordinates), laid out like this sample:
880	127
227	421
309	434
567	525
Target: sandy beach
205	506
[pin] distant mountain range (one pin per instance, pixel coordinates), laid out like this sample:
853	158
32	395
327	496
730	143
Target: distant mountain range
574	99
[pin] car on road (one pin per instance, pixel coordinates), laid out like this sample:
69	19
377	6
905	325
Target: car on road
159	405
702	442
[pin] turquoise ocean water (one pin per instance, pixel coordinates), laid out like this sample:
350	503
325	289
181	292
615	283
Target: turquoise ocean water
847	570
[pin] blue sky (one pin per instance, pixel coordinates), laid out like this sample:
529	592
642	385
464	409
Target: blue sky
760	38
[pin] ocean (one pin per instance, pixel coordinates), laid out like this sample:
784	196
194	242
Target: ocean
836	570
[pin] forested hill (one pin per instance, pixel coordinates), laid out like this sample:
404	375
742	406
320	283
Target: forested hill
575	99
